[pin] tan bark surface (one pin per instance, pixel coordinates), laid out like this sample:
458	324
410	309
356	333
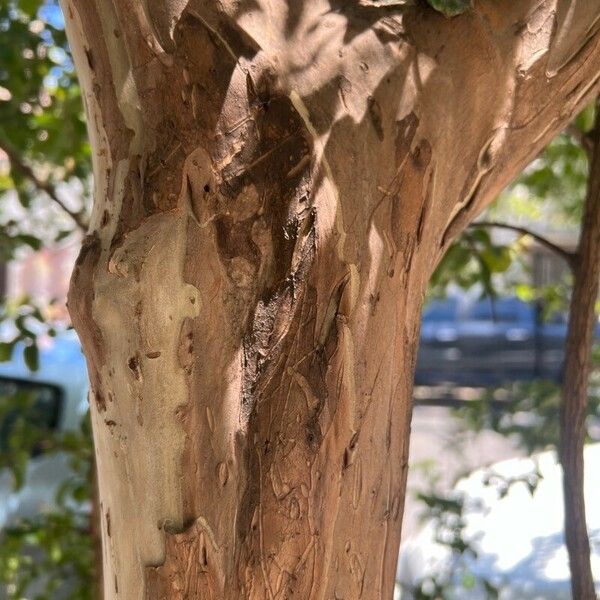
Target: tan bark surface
275	182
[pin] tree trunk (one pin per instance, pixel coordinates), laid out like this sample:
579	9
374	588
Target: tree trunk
274	184
574	404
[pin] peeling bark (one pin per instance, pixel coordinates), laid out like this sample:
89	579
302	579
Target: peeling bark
275	182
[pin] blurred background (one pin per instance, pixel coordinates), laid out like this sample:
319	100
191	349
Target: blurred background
483	517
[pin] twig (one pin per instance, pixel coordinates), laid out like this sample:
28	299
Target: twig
584	139
570	257
46	186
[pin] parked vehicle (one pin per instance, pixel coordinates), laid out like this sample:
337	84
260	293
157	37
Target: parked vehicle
517	532
489	342
59	390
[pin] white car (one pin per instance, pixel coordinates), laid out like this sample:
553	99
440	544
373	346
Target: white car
59	389
518	535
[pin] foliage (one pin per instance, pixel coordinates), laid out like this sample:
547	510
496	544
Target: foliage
44	153
557	179
44	177
50	554
450	8
528	412
58	554
473	260
53	551
23	320
41	113
446	512
54	548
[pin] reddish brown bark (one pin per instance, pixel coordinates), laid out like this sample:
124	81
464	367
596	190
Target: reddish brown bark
274	184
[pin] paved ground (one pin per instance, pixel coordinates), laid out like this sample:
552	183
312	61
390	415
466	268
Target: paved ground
435	438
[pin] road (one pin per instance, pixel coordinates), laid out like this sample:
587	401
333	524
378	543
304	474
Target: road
436	440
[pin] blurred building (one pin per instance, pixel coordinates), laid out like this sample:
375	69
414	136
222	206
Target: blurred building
44	276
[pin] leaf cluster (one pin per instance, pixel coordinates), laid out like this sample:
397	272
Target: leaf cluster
447	512
43	136
23	321
527	412
450	8
50	555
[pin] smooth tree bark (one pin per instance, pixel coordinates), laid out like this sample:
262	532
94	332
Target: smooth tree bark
574	401
274	183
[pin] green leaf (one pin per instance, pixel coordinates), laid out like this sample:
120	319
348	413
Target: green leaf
22	327
30	6
525	292
30	240
468	581
496	258
6	350
450	8
31	355
61	235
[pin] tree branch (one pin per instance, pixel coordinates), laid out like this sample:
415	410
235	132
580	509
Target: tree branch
541	106
582	138
569	257
18	164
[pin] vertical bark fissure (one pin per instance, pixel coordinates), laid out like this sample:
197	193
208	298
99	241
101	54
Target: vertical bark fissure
574	401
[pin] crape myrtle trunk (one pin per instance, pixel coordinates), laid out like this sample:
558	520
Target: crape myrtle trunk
274	183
